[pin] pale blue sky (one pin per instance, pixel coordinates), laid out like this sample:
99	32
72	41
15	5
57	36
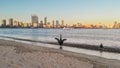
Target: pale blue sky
72	11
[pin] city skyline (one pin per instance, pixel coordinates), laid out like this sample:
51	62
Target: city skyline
72	11
45	23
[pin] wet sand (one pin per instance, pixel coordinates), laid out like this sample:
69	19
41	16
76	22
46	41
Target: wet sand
77	45
19	55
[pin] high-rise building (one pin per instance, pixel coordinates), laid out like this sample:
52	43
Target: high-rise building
53	24
115	24
57	23
41	24
34	20
11	22
62	23
48	25
3	23
45	20
15	23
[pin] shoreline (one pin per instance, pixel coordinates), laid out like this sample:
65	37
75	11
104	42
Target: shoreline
85	46
15	54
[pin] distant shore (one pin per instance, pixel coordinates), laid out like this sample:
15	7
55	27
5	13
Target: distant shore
19	55
51	28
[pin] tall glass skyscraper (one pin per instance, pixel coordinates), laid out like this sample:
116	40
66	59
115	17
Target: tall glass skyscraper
45	20
11	22
34	19
3	23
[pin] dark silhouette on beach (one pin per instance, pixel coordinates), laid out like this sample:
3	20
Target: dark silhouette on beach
101	47
60	41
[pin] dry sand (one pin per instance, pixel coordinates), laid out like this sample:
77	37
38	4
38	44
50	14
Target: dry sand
20	55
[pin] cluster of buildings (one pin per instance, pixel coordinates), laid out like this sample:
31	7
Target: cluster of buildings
35	23
116	25
89	26
45	23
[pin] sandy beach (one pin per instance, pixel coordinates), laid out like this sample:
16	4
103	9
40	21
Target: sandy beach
20	55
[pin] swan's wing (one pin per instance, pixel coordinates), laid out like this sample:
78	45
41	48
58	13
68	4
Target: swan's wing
57	39
64	39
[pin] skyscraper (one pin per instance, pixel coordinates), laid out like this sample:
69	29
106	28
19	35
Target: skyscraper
45	20
57	23
3	23
15	23
53	24
11	22
34	20
41	24
115	24
62	23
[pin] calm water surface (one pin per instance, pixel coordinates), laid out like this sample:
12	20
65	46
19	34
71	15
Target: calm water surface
109	37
